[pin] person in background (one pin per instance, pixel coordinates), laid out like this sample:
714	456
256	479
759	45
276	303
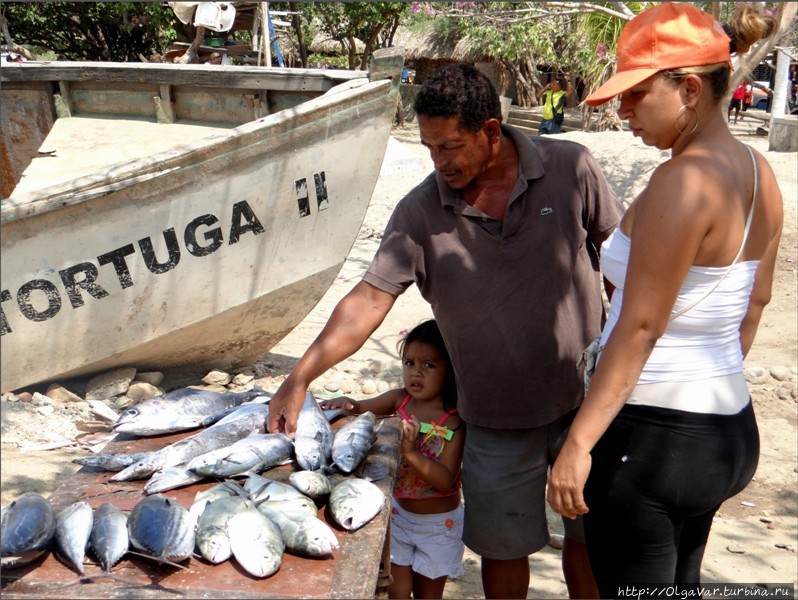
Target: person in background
554	97
667	430
501	239
215	59
736	102
426	514
748	96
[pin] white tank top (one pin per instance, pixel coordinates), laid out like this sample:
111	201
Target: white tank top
697	364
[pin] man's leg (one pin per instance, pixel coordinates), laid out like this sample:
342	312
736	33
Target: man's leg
576	569
505	578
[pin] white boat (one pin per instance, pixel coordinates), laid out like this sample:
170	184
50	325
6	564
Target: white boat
160	215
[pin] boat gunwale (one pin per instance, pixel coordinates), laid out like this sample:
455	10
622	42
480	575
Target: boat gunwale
91	186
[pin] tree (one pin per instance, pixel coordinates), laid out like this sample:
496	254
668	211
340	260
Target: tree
116	31
373	23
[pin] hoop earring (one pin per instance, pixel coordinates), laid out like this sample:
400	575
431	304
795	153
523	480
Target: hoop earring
676	120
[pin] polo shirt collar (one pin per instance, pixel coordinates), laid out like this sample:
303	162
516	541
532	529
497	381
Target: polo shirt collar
530	167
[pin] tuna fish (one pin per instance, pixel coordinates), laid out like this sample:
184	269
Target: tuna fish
314	436
162	528
220	490
181	409
169	479
353	441
73	527
243	422
27	527
212	536
109	538
111	462
313	484
253	453
354	502
256	542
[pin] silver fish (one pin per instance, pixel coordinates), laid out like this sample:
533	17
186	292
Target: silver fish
220	490
302	534
353	441
255	452
313	484
263	398
354	502
111	462
73	527
185	408
245	421
256	542
109	537
27	527
212	537
170	478
162	528
313	437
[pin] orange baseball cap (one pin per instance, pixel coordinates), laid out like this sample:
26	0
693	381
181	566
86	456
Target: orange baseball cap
666	36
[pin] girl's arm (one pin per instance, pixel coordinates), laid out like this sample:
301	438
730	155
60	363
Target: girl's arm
441	475
384	404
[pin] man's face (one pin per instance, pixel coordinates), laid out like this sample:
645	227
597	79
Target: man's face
459	155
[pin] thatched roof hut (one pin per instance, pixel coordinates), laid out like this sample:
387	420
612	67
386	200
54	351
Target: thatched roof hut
435	46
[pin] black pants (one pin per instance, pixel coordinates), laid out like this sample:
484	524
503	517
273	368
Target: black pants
658	477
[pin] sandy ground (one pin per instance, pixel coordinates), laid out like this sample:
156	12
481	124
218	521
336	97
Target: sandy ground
755	534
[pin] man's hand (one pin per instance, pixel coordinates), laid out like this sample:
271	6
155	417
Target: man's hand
284	408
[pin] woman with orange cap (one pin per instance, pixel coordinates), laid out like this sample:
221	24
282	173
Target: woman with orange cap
667	431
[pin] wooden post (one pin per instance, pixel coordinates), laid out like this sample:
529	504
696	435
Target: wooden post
265	38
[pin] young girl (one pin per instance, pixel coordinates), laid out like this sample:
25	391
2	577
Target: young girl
427	515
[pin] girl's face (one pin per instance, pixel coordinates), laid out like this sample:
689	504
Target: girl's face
651	107
424	371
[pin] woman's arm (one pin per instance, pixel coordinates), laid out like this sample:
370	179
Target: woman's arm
669	225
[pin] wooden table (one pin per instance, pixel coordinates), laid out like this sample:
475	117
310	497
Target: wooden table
351	572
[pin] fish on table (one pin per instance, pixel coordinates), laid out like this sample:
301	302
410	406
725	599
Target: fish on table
256	542
256	452
314	484
243	422
313	437
354	502
73	527
27	526
109	539
179	410
212	537
353	440
162	528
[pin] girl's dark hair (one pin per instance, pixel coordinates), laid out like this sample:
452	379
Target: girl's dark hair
427	332
462	91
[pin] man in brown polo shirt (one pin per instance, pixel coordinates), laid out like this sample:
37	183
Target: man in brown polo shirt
502	240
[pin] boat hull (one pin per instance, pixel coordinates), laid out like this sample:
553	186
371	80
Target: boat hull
205	255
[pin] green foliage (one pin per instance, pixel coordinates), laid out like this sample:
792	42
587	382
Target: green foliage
117	31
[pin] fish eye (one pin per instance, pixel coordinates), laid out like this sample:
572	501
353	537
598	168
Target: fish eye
132	412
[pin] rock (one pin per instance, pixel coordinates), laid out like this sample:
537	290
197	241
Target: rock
154	378
348	386
556	541
25	397
780	373
141	390
735	548
110	384
383	386
45	409
368	387
59	393
756	375
243	379
121	403
217	377
333	385
42	400
748	504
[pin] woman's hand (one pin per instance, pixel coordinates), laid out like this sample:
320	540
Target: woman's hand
410	431
567	482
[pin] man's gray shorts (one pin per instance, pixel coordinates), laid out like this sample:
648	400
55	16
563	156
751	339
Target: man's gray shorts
504	489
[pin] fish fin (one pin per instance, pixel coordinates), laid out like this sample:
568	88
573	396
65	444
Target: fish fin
237	488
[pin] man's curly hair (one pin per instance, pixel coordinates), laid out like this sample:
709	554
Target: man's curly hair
462	91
